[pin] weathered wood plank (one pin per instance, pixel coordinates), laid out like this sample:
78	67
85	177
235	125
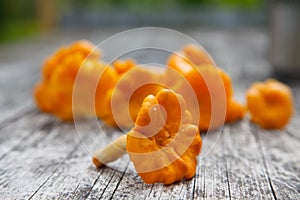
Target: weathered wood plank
77	175
130	181
63	182
212	183
281	153
16	132
27	167
247	177
230	170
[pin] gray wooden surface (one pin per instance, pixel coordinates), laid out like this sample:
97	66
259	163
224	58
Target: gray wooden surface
44	158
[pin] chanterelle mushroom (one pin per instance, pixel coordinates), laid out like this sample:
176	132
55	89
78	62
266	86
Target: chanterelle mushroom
163	145
211	85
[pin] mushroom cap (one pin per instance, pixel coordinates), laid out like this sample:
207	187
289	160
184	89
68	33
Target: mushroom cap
126	98
211	85
270	104
53	93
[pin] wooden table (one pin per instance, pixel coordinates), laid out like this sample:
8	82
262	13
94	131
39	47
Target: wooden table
44	158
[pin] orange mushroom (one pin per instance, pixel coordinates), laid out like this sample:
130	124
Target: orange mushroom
270	104
53	93
163	145
211	85
74	68
103	100
76	84
125	99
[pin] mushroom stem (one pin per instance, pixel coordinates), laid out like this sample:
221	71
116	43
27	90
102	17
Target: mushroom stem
111	152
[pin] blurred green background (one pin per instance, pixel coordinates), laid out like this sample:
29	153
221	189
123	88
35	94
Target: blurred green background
20	19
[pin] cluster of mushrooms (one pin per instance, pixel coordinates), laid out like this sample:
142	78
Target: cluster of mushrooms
164	111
